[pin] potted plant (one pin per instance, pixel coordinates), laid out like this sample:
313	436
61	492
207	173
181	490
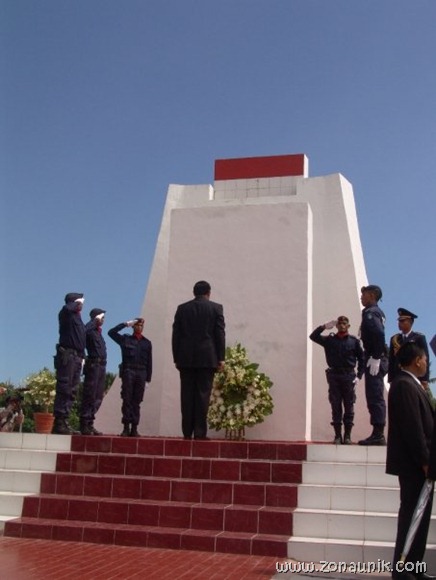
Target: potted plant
240	396
40	394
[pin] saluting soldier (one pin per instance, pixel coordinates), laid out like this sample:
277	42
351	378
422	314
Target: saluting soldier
135	371
94	372
70	352
343	353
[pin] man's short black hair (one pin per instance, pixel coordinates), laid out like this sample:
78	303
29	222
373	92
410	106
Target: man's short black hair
201	288
408	353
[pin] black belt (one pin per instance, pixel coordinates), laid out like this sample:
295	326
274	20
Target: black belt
134	367
96	359
71	351
341	370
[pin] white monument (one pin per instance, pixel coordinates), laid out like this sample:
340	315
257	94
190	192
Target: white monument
282	253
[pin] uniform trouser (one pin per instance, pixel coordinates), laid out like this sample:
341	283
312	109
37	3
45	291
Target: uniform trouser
410	488
67	383
132	394
93	389
196	386
342	396
374	391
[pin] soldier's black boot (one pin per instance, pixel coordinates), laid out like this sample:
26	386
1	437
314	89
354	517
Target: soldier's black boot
126	430
338	435
134	431
347	434
85	427
376	438
60	427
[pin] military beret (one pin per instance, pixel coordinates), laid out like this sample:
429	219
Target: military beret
72	296
376	290
406	313
96	311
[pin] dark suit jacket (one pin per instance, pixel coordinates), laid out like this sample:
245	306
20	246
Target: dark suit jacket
198	339
410	426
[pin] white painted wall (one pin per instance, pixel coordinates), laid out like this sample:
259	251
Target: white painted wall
282	255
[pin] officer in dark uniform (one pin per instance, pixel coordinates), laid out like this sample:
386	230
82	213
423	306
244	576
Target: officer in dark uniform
94	371
70	352
343	352
406	334
135	371
372	333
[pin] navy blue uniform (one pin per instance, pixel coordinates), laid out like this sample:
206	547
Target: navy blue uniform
69	357
372	333
135	371
343	353
94	371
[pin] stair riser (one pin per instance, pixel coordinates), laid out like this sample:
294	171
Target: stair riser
358	475
20	481
350	526
305	550
165	539
273	495
348	498
184	468
223	518
223	449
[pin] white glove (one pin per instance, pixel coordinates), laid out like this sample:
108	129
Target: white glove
100	316
374	366
79	300
330	325
131	322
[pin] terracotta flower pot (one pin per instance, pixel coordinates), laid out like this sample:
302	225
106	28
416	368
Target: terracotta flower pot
43	422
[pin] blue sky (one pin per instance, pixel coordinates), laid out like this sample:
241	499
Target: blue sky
104	103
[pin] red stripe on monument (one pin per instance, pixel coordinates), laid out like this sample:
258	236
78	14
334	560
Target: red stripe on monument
252	167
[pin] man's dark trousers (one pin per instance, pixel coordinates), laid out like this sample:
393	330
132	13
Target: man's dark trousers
196	386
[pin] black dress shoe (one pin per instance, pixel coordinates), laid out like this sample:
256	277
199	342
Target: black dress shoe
202	438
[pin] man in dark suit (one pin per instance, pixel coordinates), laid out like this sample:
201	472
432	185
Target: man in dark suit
409	440
406	334
198	343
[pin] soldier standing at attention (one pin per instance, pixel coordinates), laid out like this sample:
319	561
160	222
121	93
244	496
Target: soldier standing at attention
94	371
70	352
372	333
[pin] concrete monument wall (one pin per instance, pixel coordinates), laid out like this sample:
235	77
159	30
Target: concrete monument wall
282	253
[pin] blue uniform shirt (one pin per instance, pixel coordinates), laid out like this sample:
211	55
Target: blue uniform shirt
341	352
95	343
372	331
135	353
72	332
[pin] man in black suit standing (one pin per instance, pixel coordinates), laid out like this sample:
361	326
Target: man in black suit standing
198	343
409	440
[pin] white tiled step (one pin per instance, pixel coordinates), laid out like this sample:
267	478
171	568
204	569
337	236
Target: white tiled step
325	497
34	441
33	460
11	504
357	474
346	454
19	480
23	457
333	550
